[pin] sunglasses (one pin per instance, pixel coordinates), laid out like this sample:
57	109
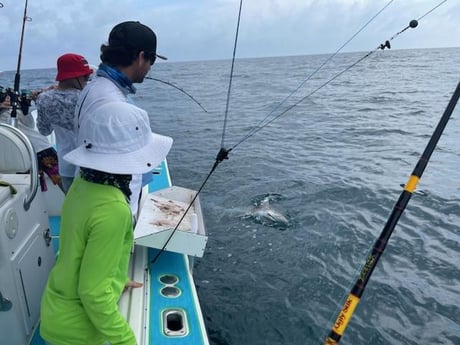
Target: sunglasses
151	57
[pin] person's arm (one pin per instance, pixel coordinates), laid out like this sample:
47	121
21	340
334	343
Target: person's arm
101	278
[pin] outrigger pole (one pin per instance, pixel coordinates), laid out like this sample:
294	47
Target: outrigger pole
17	78
379	246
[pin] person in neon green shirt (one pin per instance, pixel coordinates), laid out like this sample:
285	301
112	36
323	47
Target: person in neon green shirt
80	302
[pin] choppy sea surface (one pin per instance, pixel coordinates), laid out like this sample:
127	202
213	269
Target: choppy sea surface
336	160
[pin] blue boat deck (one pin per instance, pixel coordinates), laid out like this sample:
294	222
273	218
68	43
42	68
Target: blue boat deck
173	264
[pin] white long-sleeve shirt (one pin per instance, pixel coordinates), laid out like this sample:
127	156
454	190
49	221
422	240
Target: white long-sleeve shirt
100	91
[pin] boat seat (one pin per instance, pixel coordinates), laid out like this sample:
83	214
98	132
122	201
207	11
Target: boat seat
14	155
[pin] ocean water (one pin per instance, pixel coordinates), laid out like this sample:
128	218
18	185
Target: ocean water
336	160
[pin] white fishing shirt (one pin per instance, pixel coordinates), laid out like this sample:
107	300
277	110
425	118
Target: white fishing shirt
55	112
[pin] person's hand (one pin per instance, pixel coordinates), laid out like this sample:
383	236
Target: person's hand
133	285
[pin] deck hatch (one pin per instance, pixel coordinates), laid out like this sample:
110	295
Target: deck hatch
170	291
174	323
169	279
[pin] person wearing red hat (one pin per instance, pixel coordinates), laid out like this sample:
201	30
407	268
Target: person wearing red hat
55	108
72	67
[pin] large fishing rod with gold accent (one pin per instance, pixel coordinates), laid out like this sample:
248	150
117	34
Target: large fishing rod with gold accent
356	292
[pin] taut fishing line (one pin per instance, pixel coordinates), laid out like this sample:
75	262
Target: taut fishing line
231	77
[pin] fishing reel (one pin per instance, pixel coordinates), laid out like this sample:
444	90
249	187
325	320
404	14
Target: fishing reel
24	99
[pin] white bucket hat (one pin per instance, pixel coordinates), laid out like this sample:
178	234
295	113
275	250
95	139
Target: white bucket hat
118	140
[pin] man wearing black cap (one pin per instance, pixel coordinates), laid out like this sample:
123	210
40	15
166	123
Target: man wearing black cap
131	42
126	59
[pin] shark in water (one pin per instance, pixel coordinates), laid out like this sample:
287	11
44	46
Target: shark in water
266	214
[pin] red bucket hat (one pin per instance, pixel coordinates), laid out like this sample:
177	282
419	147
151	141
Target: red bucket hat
72	66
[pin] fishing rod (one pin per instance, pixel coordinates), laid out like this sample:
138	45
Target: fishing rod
17	78
357	291
178	88
412	24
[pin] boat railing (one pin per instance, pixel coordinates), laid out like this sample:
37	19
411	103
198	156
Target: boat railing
18	155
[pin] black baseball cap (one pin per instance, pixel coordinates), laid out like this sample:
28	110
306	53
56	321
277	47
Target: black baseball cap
136	36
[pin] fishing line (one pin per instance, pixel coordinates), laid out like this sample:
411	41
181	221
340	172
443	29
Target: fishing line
313	73
178	88
224	130
412	24
432	9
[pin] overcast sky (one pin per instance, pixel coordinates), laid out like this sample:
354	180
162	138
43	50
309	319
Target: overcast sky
190	30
